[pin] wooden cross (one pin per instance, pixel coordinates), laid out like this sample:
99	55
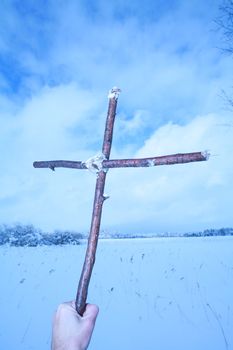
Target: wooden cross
101	163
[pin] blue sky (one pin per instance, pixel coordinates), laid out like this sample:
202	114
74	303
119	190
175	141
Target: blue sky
58	59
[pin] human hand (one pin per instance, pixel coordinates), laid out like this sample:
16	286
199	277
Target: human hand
70	330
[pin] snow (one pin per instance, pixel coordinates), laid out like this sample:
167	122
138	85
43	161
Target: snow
155	293
206	154
114	93
94	164
151	162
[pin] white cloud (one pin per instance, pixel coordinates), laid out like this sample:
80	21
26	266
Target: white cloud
59	123
178	197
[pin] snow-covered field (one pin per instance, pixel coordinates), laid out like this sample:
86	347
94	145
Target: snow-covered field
162	293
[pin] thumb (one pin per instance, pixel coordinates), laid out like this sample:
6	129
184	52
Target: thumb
91	312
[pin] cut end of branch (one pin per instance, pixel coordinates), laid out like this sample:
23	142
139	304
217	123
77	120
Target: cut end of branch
206	154
114	93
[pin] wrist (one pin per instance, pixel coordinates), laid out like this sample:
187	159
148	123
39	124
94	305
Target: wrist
72	345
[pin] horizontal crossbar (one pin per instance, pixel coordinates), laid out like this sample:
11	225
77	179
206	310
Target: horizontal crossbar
178	158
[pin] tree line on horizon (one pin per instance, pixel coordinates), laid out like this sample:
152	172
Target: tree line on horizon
19	235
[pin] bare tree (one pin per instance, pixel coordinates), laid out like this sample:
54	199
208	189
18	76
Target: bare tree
225	24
